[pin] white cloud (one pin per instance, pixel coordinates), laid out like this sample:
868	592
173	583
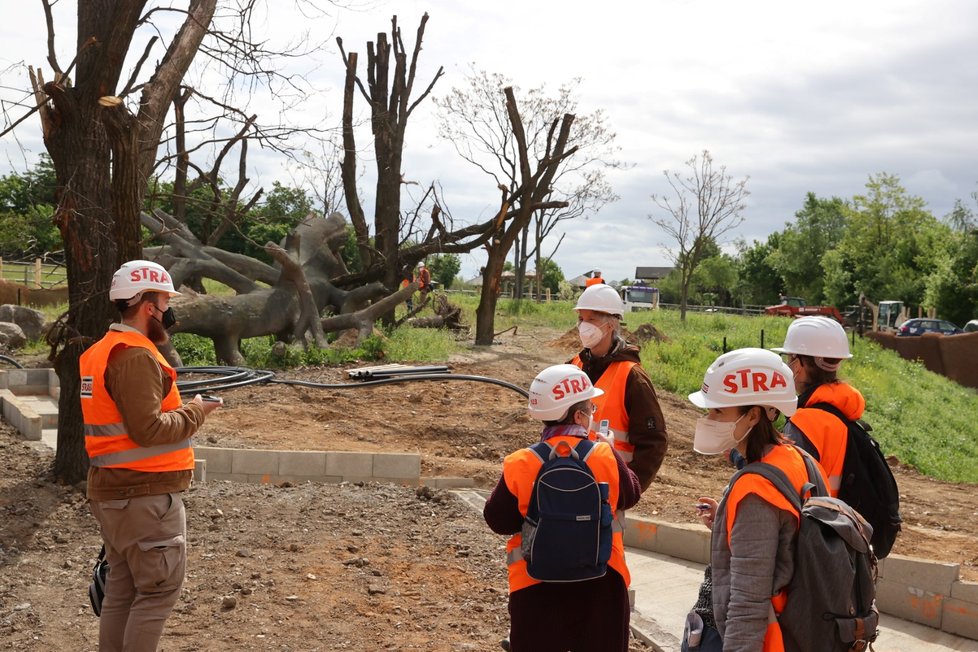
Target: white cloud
799	96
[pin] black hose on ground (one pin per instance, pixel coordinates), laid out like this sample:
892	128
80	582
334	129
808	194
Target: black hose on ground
404	379
233	377
7	358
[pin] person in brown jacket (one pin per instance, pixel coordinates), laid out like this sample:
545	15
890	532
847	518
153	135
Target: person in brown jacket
629	412
137	436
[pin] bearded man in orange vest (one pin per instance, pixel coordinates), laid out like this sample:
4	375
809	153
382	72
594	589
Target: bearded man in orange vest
137	436
629	411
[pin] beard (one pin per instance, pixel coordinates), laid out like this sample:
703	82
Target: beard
157	334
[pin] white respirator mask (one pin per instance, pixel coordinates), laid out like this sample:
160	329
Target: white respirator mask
590	334
714	437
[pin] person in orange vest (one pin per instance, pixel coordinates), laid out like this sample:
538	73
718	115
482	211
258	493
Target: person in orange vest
424	281
815	348
594	280
137	436
585	616
629	405
407	278
754	526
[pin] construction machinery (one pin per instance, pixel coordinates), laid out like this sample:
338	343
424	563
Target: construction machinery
798	307
886	315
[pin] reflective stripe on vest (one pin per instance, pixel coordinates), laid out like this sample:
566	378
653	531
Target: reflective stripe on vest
520	471
611	404
107	441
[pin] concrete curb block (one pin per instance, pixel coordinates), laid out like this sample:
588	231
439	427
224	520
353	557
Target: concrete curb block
921	591
275	466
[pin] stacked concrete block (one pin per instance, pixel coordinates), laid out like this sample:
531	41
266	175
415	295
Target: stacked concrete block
274	466
929	593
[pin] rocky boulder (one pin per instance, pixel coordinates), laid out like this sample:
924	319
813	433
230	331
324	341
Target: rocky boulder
11	336
31	321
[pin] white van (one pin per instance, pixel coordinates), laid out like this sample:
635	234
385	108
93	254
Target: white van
639	297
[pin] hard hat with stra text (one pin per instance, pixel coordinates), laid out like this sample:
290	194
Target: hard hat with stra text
139	276
816	336
557	388
601	298
747	377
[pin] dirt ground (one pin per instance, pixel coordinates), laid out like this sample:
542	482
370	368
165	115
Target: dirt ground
360	567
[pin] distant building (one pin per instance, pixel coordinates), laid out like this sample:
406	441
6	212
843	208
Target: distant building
507	283
652	274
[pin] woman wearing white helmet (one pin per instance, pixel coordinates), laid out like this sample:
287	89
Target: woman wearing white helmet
590	615
754	527
814	348
629	408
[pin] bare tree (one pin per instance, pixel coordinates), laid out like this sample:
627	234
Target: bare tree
104	142
707	204
475	119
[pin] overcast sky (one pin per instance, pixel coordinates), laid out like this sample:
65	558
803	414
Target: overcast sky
800	99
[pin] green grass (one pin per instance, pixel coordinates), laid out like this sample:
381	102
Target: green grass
23	273
922	418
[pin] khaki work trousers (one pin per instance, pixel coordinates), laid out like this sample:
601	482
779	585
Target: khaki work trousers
145	546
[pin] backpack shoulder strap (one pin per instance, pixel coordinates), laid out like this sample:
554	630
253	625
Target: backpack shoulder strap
833	410
775	476
584	449
542	450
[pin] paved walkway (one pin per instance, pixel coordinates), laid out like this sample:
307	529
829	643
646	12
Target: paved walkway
666	588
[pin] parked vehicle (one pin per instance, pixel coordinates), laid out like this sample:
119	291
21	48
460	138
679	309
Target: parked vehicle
798	307
886	317
921	325
639	297
971	326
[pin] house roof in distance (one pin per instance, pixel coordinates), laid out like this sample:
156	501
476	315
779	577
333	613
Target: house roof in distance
652	273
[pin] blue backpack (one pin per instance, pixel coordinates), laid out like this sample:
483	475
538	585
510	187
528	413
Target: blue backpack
567	531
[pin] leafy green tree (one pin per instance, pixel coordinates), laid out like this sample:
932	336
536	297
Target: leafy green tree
713	279
819	226
890	246
550	274
26	207
758	283
444	268
952	288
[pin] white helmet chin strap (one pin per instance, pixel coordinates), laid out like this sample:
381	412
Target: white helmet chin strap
827	366
135	299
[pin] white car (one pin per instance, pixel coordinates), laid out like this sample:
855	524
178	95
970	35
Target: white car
971	326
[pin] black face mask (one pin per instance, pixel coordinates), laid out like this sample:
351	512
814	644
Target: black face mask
169	319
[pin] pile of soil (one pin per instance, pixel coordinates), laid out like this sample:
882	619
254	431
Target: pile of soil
360	567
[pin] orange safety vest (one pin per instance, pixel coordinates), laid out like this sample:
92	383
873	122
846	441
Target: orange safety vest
593	281
520	471
827	433
789	461
106	439
611	404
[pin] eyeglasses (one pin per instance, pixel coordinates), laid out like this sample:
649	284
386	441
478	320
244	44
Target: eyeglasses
788	358
591	410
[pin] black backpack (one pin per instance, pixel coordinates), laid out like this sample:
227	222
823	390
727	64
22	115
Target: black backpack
868	485
96	590
831	605
567	531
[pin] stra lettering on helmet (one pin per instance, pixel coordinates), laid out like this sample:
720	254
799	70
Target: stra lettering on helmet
570	386
755	381
148	274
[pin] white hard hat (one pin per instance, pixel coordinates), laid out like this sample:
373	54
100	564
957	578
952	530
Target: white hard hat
557	388
746	377
138	276
819	337
420	264
601	298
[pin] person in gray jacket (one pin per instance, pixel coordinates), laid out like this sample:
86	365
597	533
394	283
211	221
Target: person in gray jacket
754	526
